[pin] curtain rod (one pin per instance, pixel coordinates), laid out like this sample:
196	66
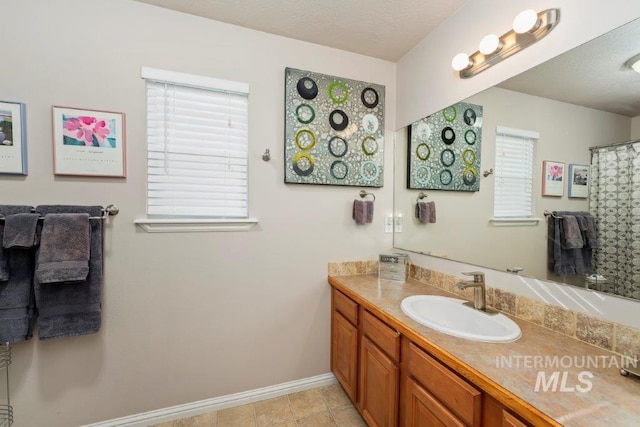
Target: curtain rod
615	144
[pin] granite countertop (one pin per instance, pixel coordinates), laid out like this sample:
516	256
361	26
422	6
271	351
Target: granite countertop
589	392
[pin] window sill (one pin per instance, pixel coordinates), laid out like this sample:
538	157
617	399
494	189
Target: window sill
189	225
515	222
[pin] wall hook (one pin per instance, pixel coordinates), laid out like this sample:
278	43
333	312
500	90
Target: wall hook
487	173
267	155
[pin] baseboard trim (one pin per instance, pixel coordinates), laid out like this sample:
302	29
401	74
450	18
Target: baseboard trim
217	403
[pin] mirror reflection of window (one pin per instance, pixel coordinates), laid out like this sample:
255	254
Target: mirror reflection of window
513	192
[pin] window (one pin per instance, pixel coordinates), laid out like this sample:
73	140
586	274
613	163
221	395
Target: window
197	146
513	193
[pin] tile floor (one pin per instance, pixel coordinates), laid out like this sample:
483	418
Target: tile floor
318	407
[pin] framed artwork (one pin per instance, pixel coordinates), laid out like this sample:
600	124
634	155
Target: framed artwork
334	130
88	142
13	138
444	149
579	177
552	178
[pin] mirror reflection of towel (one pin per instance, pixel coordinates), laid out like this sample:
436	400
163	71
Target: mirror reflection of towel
426	212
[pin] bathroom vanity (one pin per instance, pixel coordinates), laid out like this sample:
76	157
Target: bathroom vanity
398	372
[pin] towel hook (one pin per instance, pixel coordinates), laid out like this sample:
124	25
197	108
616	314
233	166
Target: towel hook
364	194
421	196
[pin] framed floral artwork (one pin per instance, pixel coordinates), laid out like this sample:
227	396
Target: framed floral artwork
88	142
13	139
578	184
552	178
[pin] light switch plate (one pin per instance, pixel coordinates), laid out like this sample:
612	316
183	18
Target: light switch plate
398	225
388	224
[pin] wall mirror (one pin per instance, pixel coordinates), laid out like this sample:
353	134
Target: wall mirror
583	98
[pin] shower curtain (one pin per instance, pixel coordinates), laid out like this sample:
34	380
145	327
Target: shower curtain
615	203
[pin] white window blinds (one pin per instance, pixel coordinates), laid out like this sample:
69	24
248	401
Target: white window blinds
197	145
513	196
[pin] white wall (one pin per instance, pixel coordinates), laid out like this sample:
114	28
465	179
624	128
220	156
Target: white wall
635	128
185	316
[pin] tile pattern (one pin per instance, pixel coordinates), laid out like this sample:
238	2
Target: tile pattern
326	406
351	268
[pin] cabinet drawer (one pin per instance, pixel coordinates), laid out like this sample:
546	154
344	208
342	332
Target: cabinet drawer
455	393
509	420
346	306
385	337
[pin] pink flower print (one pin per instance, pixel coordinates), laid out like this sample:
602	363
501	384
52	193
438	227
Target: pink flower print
556	173
84	128
101	132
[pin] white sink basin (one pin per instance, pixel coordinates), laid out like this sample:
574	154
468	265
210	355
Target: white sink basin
450	316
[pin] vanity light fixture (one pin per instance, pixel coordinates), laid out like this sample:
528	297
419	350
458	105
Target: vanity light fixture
634	63
528	28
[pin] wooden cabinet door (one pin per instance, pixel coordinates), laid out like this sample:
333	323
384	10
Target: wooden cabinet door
378	386
344	354
424	410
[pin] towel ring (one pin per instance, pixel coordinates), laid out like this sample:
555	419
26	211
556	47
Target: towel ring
364	194
421	196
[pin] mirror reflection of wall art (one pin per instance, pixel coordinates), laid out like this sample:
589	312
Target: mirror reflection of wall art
88	142
552	178
13	141
444	149
578	181
334	130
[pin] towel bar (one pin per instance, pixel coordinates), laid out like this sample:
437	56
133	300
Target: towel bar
110	210
364	194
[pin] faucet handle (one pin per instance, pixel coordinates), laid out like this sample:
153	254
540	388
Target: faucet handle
478	276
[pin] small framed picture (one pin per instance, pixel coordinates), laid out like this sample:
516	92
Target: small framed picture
578	181
13	138
88	142
552	178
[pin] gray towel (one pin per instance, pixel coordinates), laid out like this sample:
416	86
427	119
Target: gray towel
426	212
421	212
69	309
64	248
17	303
563	261
588	227
20	230
431	212
362	212
572	235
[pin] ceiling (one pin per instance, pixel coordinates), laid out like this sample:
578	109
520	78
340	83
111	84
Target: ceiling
592	75
383	29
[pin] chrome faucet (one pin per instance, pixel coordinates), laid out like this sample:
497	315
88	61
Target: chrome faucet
479	290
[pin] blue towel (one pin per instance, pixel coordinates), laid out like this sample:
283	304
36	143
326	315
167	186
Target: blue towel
17	301
73	308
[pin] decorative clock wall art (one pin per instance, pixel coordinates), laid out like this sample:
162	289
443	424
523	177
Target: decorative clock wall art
444	150
334	130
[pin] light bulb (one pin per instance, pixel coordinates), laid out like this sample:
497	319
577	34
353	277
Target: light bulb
525	21
460	62
489	44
